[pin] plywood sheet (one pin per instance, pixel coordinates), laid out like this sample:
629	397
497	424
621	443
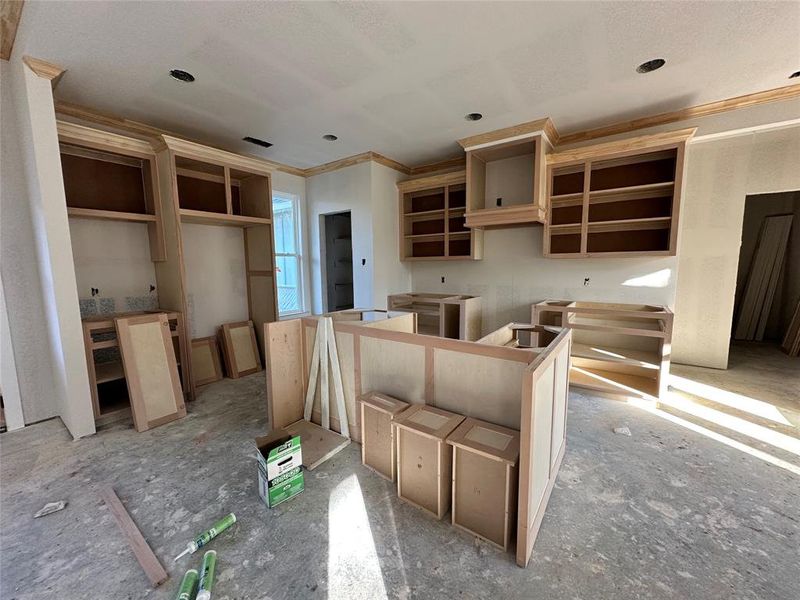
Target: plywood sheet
151	371
394	368
378	436
317	444
463	383
404	323
284	372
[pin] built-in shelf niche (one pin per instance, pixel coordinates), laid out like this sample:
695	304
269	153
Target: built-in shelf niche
432	219
616	199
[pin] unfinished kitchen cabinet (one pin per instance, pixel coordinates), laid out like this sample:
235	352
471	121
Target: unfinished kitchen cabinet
616	199
433	220
447	315
485	478
218	188
424	459
378	412
111	400
617	349
506	175
111	177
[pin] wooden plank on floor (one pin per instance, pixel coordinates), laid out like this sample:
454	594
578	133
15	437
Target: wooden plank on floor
141	549
317	444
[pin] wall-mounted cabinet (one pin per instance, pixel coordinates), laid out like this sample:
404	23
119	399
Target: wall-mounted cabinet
111	177
433	220
616	199
506	174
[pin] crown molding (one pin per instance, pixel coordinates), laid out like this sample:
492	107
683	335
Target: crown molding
10	15
692	112
44	69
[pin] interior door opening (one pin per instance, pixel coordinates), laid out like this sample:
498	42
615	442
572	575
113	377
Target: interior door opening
338	261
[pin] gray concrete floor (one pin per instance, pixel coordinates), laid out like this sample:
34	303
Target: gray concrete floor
666	513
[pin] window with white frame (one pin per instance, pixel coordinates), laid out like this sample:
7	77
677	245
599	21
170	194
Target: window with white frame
288	258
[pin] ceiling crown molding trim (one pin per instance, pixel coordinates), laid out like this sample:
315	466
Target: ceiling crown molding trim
10	15
458	162
152	134
701	110
515	132
44	69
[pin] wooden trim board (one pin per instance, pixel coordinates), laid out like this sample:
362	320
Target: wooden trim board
10	15
141	549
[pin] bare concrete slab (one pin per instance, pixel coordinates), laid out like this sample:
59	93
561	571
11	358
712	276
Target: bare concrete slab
664	513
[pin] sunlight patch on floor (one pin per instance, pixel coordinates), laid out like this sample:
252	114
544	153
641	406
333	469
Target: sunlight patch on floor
354	570
730	399
765	456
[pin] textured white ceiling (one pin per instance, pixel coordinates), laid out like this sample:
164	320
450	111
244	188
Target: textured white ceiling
398	77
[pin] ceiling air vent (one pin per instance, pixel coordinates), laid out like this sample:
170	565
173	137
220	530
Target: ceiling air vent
257	142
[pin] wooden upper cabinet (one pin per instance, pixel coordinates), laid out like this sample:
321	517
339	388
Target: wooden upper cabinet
616	199
505	176
111	177
432	220
217	187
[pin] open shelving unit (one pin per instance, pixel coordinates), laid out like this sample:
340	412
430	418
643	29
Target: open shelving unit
109	177
631	187
110	398
432	220
113	178
617	349
452	316
215	187
505	175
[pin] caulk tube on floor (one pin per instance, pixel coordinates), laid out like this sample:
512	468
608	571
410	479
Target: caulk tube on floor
205	537
188	587
207	575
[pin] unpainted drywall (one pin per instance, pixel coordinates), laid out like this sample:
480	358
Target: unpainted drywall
514	274
510	180
216	289
347	189
390	275
720	175
19	253
114	258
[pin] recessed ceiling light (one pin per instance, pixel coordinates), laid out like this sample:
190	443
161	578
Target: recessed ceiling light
257	141
180	75
651	65
795	74
330	137
474	117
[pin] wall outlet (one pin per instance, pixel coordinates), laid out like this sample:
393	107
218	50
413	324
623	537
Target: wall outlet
363	262
442	278
586	281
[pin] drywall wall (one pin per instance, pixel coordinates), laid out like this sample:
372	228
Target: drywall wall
513	275
33	110
787	290
368	190
114	258
510	180
390	275
347	189
19	252
216	288
9	382
721	173
296	186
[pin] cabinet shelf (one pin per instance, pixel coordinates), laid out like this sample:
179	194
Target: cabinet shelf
110	215
424	213
628	224
211	218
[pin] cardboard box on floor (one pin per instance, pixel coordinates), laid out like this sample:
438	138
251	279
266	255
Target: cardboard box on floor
280	467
